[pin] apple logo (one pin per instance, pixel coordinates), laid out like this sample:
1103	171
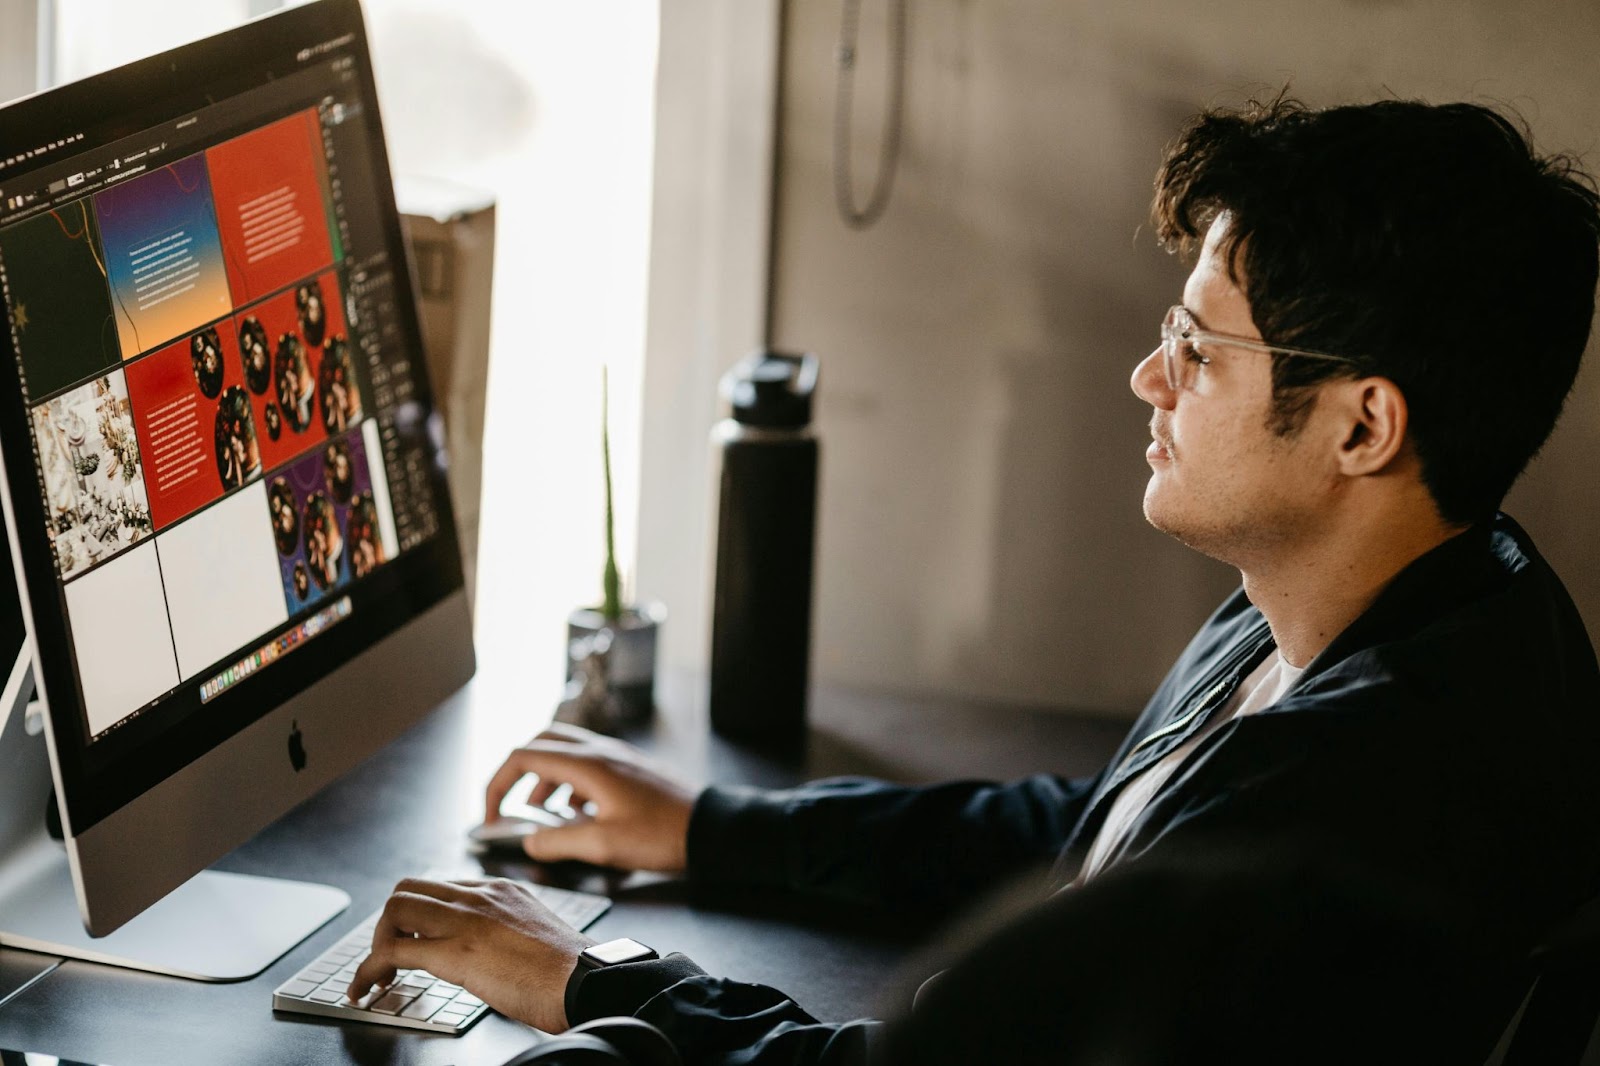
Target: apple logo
297	747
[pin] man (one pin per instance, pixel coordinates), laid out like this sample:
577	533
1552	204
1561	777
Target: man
1365	791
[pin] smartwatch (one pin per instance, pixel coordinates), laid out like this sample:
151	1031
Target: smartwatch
613	952
599	956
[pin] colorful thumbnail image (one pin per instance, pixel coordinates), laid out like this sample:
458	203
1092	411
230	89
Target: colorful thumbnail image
324	520
163	255
59	300
93	481
269	187
197	430
299	368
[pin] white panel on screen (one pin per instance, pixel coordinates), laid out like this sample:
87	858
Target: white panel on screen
380	489
120	636
224	590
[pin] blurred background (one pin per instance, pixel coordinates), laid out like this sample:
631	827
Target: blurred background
666	176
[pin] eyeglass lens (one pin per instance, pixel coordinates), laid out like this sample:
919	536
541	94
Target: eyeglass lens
1174	332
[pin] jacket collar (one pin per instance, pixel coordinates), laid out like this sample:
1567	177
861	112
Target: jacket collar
1448	577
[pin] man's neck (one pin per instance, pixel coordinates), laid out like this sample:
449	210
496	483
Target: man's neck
1312	594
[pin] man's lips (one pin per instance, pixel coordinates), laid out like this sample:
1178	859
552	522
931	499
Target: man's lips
1159	448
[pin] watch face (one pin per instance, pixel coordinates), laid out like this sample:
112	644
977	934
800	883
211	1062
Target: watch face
615	951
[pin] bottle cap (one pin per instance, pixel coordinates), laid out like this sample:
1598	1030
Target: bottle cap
771	389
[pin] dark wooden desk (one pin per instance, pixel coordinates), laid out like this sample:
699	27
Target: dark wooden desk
404	812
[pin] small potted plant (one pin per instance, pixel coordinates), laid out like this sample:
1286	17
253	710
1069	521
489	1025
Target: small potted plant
611	648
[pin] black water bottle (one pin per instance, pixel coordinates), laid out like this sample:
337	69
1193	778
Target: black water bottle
766	535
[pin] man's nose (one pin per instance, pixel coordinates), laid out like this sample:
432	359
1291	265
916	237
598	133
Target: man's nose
1149	382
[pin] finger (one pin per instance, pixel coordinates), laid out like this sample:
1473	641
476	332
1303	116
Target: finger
547	760
560	798
378	970
408	914
541	793
583	843
500	785
522	762
374	972
451	891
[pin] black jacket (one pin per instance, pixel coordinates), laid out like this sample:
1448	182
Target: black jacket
1374	854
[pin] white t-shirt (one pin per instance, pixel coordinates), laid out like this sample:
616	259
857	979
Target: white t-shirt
1265	686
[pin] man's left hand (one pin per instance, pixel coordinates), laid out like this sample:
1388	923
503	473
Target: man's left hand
490	937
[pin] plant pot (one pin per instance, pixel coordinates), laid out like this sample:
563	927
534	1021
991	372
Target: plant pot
611	667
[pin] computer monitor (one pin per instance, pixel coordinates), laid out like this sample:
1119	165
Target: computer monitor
222	482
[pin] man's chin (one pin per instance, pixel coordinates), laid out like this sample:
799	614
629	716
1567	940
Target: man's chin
1160	512
1209	541
1156	510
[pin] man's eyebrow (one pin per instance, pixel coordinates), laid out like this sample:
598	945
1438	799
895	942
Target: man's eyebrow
1195	318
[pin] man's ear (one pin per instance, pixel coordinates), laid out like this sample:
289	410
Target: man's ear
1374	410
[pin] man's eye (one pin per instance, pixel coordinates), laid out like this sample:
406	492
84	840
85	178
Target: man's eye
1192	354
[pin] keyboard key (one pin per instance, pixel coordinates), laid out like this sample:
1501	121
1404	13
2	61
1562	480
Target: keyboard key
299	989
451	1017
326	995
466	1000
321	967
391	1003
424	1007
366	1001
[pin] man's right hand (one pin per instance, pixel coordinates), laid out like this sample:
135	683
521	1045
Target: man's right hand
641	813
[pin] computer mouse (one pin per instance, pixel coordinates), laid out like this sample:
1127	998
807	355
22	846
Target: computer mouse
510	831
504	830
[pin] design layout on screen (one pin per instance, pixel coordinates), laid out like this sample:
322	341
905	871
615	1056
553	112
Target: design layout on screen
209	466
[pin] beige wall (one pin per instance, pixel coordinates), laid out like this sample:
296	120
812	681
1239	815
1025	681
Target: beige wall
983	457
19	54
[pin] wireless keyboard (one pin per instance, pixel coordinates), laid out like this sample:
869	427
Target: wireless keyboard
415	999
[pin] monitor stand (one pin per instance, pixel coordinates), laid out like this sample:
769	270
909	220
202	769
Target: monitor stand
215	927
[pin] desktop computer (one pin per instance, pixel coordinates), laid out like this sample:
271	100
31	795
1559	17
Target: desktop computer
237	569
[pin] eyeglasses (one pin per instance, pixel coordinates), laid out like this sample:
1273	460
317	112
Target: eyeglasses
1179	335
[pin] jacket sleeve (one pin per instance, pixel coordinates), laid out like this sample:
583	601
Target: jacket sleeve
866	842
716	1022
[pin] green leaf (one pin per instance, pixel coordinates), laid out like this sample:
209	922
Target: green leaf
611	604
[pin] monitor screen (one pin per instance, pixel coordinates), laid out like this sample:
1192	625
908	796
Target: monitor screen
218	436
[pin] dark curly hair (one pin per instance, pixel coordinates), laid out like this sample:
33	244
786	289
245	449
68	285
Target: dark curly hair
1431	244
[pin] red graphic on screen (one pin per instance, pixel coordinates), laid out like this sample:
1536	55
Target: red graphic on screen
298	367
268	189
197	431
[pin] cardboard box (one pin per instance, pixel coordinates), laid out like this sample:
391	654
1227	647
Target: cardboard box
450	229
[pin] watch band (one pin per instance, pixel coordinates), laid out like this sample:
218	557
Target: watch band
598	957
